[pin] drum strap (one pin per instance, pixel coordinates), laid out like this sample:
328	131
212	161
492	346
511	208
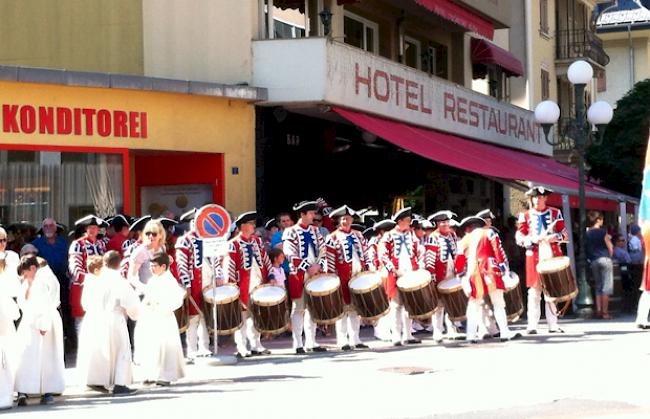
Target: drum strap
196	307
564	308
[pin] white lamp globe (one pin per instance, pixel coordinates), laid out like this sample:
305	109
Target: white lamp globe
600	113
547	112
580	72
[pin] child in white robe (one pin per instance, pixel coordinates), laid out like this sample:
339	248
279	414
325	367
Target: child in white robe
8	314
158	347
40	336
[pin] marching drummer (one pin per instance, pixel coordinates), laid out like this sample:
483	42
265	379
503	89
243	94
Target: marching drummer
304	247
247	265
347	255
540	227
440	253
400	252
482	263
382	326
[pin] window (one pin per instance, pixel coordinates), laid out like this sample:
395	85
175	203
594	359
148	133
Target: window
498	83
601	82
546	85
412	52
543	16
434	60
361	33
286	30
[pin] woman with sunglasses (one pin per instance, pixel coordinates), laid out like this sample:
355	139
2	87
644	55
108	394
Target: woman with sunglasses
153	243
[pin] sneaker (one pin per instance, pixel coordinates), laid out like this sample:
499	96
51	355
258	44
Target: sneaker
22	399
47	398
123	390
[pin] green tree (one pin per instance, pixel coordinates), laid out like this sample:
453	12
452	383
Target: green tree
620	159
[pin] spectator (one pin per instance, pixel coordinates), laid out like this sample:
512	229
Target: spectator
277	275
120	226
285	222
599	252
623	258
318	222
637	256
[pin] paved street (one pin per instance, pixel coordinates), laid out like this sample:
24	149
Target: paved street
596	369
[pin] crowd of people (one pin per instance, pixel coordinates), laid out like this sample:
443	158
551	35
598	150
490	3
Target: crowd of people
124	290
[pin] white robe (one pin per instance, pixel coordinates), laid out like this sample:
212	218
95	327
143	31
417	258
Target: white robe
40	366
8	313
9	277
104	356
157	342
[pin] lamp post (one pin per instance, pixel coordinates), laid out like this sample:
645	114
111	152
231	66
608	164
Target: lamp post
579	129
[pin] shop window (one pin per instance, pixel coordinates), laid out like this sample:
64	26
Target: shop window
412	52
546	85
361	33
33	189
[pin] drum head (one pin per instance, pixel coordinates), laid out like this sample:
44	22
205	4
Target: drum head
555	264
511	280
450	284
365	281
414	279
268	294
221	295
323	283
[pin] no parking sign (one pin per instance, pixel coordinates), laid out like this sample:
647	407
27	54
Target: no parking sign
213	226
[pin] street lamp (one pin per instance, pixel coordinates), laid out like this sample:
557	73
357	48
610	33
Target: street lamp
599	115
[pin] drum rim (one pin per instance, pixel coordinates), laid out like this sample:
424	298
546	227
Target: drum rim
566	297
276	331
227	301
375	317
458	319
555	257
449	290
364	290
266	304
330	321
229	331
419	287
321	293
420	316
515	316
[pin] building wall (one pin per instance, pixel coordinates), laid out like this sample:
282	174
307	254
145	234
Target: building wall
205	42
89	35
618	79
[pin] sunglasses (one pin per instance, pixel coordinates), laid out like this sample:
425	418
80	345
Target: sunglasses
318	220
3	240
151	233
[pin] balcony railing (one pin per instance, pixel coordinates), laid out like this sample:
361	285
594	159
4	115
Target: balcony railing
563	132
580	43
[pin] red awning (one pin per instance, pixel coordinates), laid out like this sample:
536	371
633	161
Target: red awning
474	156
486	53
460	16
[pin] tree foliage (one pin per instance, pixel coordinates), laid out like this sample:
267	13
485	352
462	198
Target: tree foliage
620	159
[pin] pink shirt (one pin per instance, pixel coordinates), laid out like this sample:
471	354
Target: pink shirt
277	276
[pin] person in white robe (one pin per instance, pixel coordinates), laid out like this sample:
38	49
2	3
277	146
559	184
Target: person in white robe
104	358
40	365
8	314
158	347
9	260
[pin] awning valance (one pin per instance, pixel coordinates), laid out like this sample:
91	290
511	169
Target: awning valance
459	15
486	53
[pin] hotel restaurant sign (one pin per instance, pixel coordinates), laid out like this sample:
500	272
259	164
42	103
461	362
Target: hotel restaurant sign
315	70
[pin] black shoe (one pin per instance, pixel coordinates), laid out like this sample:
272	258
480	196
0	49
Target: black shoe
318	349
643	326
397	344
413	341
346	348
189	361
531	332
558	330
264	352
513	337
148	382
362	346
47	398
100	389
300	351
238	355
22	399
162	383
123	390
496	335
474	341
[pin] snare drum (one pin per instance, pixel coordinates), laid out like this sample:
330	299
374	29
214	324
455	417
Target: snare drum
454	298
418	293
182	315
324	298
557	279
226	298
368	295
512	296
270	309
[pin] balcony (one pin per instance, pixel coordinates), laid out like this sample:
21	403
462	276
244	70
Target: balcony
312	74
574	44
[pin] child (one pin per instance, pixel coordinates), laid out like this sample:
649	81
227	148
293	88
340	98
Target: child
8	314
40	336
157	342
277	275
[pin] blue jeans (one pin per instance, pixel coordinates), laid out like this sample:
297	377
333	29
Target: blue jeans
602	272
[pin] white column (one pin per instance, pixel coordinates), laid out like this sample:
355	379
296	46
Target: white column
306	18
261	29
269	19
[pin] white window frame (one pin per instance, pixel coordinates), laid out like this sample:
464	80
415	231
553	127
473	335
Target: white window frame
418	47
293	26
366	24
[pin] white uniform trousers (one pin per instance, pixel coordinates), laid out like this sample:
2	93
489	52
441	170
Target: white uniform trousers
382	328
475	312
487	325
300	317
247	334
534	310
347	328
437	321
400	321
643	309
197	337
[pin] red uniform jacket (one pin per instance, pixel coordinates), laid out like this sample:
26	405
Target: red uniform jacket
481	256
373	252
115	243
298	241
533	225
78	254
440	250
342	248
391	245
242	254
189	260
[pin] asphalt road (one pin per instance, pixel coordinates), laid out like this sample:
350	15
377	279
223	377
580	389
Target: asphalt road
596	369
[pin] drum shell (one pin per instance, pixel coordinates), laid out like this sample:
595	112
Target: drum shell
182	315
325	307
559	284
514	302
370	303
455	302
269	317
420	302
229	318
